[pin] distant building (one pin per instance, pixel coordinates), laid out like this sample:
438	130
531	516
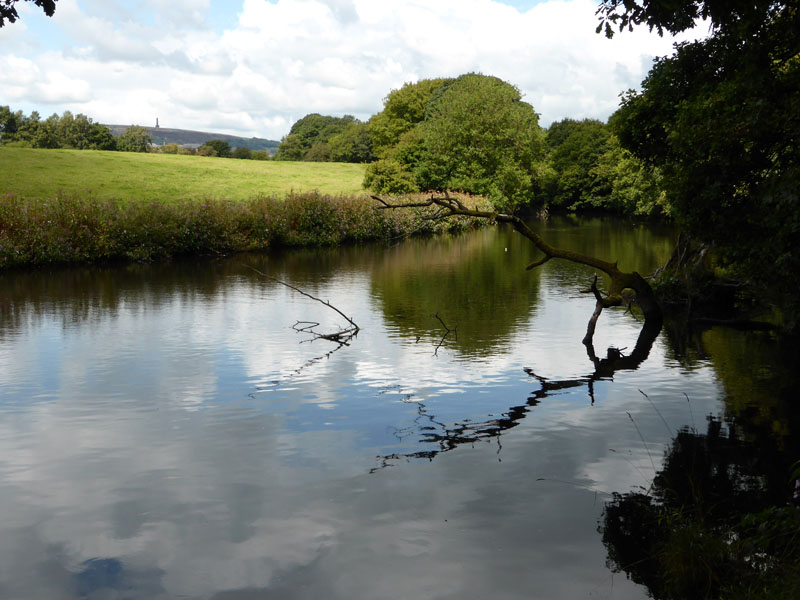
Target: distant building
156	122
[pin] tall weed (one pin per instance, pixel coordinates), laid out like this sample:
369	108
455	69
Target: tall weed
83	229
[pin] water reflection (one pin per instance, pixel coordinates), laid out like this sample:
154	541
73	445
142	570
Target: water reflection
159	438
720	518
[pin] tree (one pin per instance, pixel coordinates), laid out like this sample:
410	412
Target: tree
352	145
719	119
206	150
319	152
312	129
402	110
575	148
222	147
9	122
625	185
481	138
8	11
476	136
43	134
290	148
242	152
135	139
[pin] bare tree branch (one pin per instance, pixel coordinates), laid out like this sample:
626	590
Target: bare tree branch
353	329
447	332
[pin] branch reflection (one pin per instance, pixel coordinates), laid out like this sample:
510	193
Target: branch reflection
439	437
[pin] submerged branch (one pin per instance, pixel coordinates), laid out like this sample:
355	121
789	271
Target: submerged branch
342	337
447	331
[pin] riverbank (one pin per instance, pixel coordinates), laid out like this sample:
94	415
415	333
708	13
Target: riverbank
82	229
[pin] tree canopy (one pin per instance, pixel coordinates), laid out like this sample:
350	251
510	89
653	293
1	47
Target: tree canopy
312	130
472	134
67	131
720	119
402	110
8	12
135	139
221	147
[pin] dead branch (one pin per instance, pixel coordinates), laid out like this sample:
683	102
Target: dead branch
342	336
447	331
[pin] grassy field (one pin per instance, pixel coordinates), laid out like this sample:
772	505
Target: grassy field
36	173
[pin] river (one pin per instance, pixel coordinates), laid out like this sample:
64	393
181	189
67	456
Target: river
165	432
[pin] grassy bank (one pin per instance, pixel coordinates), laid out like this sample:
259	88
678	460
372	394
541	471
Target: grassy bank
42	174
84	229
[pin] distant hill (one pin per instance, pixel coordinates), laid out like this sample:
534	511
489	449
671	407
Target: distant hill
186	137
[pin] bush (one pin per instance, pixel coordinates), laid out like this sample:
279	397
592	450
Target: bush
242	152
82	229
205	150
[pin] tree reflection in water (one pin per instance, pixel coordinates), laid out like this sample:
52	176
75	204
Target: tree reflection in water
440	437
718	522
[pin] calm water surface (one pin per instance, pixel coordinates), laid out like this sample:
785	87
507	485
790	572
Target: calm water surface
165	433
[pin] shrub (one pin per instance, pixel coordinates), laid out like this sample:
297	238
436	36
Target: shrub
205	150
82	229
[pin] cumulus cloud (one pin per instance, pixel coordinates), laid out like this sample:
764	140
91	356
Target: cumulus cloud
128	62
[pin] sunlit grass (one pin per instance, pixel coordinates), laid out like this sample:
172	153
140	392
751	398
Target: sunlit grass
36	173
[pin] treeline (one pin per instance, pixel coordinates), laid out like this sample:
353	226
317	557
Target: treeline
474	134
80	132
219	148
66	131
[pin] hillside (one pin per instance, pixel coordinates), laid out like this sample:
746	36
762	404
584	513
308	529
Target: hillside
165	135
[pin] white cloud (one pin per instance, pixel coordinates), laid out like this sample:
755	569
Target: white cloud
128	62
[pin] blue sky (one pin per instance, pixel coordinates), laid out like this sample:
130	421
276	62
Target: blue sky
253	67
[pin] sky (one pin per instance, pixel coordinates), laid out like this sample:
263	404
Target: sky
254	67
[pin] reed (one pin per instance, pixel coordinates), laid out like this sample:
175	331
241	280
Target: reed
85	229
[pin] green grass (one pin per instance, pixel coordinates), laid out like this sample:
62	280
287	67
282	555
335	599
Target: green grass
40	174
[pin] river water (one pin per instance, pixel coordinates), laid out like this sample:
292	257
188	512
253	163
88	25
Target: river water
166	433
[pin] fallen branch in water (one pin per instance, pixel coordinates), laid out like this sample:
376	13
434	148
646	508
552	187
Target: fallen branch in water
447	331
342	337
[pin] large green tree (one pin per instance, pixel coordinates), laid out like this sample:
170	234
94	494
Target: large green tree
403	109
352	145
720	119
135	139
8	12
574	149
480	137
472	134
222	148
